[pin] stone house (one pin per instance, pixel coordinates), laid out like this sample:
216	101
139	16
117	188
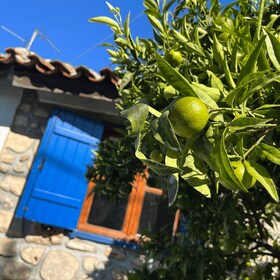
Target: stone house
52	116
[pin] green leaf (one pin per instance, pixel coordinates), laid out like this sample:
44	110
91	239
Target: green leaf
168	5
218	51
190	46
263	63
121	42
273	49
172	158
195	174
137	116
267	152
126	79
262	175
154	112
174	78
226	174
246	122
215	82
126	26
202	148
156	24
257	80
214	93
260	83
166	132
252	77
158	168
113	53
172	187
112	8
112	23
250	65
151	5
220	57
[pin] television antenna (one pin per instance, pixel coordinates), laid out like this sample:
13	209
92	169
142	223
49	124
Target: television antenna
29	43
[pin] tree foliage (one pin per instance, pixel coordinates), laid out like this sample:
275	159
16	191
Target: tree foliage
228	57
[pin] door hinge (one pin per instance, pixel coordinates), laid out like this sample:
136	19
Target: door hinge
41	165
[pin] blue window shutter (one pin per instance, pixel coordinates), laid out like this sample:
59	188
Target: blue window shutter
56	185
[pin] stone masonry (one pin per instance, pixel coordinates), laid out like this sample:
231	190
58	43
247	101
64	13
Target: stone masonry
30	251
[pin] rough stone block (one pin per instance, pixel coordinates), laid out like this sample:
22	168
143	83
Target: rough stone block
7	157
7	202
24	107
41	113
15	271
81	245
4	168
5	220
13	184
24	157
8	247
32	255
90	264
38	239
59	265
18	143
21	121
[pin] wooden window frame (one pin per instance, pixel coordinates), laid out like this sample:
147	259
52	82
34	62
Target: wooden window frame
129	231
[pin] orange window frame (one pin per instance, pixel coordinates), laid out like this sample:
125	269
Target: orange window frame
133	212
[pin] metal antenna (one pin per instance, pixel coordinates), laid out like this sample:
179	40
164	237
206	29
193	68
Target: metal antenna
14	34
36	33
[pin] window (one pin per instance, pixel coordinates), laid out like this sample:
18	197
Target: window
144	209
57	184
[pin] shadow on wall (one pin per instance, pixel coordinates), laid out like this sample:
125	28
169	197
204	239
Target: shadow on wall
46	252
31	116
9	266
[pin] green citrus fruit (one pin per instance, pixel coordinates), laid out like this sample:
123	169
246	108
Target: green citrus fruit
188	116
169	92
228	246
175	58
243	175
157	155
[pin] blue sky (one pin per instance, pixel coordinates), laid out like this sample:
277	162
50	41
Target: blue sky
65	24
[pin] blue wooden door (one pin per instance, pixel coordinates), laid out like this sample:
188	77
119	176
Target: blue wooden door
56	186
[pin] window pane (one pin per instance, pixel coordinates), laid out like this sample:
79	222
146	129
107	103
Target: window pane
155	214
107	214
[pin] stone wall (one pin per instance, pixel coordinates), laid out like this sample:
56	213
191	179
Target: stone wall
33	251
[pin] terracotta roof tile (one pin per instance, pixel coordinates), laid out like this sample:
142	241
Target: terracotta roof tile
29	63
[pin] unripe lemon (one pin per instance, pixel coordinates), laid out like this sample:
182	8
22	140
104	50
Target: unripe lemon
243	175
229	246
169	92
188	116
157	155
175	58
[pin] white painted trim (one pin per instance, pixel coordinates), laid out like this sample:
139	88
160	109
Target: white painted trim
4	131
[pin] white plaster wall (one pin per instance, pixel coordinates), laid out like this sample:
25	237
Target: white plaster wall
9	100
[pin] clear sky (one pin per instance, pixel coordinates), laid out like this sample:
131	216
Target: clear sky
65	24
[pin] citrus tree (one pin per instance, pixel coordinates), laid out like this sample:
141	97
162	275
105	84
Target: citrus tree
201	101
